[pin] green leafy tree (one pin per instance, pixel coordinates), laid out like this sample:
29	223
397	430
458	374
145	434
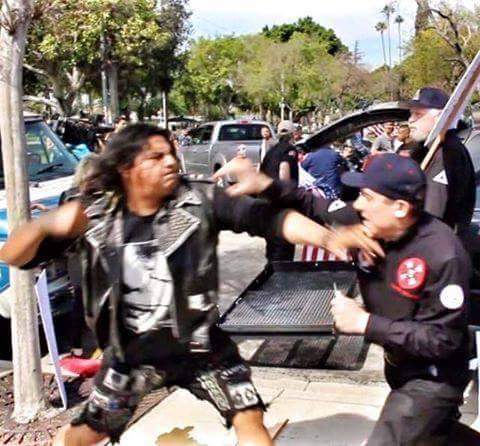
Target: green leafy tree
427	62
162	63
210	82
65	42
307	26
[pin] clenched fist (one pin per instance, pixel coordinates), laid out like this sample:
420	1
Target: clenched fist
68	221
349	317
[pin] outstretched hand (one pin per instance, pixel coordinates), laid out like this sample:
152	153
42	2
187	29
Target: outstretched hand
247	179
354	236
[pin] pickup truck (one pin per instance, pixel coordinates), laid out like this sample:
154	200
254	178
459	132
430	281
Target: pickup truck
213	144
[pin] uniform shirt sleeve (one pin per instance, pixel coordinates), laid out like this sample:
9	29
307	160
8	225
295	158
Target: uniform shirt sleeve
255	216
49	249
322	210
440	322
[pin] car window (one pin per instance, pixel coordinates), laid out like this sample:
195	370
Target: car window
195	135
241	132
47	157
206	135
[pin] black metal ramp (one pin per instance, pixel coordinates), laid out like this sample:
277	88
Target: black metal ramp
289	298
323	352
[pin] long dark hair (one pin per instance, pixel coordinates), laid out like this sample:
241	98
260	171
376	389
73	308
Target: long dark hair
122	149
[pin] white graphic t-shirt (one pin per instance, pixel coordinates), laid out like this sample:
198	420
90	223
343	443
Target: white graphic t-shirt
147	284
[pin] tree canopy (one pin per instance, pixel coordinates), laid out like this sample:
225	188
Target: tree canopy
302	64
307	26
69	41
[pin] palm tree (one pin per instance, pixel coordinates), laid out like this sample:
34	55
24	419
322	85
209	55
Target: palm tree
381	28
399	20
387	11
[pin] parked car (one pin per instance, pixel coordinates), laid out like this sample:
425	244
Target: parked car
350	125
213	144
50	170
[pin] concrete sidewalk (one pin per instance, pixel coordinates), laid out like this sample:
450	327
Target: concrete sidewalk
333	414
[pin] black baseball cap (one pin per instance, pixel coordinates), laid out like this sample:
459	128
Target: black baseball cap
394	176
428	97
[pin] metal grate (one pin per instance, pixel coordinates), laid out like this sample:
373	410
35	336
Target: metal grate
325	352
288	301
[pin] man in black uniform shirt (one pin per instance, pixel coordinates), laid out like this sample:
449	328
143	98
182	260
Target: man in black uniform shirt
147	243
281	162
415	305
415	300
450	174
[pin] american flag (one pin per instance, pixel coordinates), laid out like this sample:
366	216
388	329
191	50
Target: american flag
309	253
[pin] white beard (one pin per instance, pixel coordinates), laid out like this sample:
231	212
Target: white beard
417	135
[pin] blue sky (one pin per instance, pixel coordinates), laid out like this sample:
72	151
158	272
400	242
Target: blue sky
351	19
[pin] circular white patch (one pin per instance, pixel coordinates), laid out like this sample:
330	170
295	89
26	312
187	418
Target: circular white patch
452	297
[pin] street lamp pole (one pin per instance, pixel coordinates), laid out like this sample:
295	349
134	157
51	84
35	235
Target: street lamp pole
104	82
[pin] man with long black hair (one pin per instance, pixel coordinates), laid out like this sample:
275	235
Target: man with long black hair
147	243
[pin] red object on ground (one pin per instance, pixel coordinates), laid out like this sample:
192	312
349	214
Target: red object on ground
86	368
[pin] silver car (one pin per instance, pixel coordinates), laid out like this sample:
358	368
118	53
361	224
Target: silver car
213	144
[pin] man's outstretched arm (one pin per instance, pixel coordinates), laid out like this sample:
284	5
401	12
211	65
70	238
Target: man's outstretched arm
286	194
260	218
65	223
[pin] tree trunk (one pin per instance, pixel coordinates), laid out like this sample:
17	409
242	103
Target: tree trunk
113	85
389	44
422	16
399	43
76	80
165	108
26	352
262	112
383	49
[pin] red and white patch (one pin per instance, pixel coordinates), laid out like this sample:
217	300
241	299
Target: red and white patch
411	273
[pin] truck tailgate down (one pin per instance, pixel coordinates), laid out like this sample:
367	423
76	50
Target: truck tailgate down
289	298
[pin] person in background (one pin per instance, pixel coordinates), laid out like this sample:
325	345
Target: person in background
450	173
281	162
298	133
324	165
352	157
403	136
384	143
120	123
184	139
267	142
